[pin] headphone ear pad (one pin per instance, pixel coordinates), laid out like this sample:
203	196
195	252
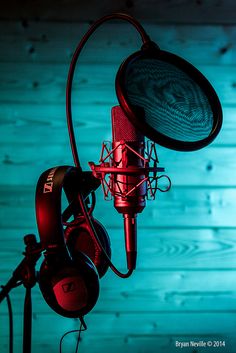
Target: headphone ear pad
70	287
78	238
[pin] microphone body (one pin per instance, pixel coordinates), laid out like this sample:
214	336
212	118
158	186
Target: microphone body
128	172
128	188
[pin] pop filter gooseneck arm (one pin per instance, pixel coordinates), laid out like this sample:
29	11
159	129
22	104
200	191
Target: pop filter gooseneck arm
95	25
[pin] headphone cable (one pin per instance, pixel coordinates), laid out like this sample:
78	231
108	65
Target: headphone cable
83	327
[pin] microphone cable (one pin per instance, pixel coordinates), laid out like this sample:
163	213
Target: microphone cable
145	38
97	240
86	213
10	315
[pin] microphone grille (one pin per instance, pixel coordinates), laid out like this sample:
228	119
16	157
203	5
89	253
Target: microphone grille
122	128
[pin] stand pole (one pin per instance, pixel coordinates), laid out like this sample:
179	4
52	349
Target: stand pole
27	334
25	274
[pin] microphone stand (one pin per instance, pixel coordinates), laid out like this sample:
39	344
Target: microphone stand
25	274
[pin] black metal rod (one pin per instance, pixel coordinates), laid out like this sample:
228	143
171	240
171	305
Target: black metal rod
6	289
27	333
11	333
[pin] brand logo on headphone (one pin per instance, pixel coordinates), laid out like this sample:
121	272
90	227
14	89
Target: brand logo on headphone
68	287
49	182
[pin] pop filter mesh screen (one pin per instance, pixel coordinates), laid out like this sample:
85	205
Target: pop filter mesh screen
171	102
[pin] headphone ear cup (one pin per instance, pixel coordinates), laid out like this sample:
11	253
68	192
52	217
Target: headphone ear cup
70	287
78	238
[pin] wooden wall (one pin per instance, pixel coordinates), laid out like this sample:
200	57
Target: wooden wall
184	287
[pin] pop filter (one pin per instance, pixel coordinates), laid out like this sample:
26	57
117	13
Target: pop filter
168	99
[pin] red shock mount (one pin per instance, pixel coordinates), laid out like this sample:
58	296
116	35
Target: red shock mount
109	168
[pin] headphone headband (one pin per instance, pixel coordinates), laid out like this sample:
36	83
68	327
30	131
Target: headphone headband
48	205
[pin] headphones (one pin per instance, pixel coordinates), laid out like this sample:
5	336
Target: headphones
69	275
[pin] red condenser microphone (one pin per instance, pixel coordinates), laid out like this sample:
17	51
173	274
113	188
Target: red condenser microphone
128	172
128	185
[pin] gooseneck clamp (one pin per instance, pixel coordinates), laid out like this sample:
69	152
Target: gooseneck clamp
25	274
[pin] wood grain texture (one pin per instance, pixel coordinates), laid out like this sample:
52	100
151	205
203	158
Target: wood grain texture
137	343
28	124
182	206
42	42
154	291
163	249
184	285
145	333
175	11
45	83
213	166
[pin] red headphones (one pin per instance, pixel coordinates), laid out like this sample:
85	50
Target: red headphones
69	274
